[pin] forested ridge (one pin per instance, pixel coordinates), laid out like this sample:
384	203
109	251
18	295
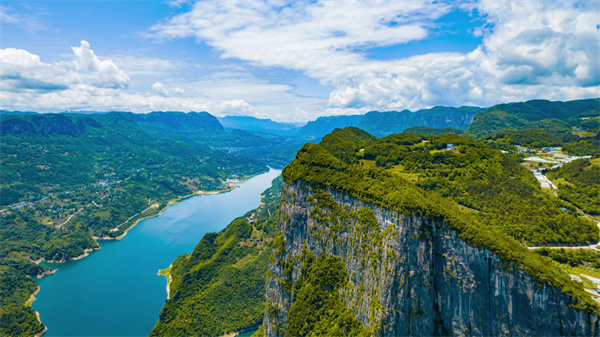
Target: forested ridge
388	186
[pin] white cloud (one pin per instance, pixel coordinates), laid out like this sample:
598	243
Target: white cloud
102	73
89	83
22	70
530	49
161	90
87	97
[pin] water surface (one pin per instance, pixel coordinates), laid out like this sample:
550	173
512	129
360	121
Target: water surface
116	291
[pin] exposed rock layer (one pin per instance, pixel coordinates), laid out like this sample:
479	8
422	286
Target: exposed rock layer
411	276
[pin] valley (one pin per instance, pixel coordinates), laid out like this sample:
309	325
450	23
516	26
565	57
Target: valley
71	180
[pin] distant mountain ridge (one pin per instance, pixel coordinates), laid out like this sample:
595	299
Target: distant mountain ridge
385	123
253	124
554	117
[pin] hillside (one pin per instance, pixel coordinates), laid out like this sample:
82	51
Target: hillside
362	250
381	124
357	213
579	183
219	287
68	178
557	118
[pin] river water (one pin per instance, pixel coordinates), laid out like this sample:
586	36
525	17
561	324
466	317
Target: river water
116	291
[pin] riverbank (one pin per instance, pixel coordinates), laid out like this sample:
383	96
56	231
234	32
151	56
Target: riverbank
167	273
152	246
246	331
86	252
169	203
28	303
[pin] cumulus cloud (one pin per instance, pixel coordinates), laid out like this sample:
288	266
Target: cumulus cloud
99	73
87	97
22	70
89	83
530	49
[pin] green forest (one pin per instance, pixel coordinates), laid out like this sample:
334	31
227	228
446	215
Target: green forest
579	184
501	192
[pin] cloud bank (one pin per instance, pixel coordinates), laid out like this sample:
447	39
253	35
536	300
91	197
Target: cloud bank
530	49
526	50
88	83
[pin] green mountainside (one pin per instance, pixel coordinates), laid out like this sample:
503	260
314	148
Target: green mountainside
435	171
68	178
386	123
202	128
429	131
579	183
505	194
557	118
220	286
482	193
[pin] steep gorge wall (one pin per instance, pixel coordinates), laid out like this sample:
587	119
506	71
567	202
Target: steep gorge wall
411	276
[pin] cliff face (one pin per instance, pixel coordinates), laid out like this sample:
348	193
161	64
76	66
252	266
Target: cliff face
409	275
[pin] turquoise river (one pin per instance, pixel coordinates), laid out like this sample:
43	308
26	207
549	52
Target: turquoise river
116	290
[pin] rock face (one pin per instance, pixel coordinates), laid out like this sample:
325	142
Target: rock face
411	276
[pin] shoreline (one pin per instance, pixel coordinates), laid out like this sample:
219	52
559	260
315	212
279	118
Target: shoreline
29	302
86	252
235	333
167	273
169	203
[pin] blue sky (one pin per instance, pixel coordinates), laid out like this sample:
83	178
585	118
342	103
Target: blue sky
293	60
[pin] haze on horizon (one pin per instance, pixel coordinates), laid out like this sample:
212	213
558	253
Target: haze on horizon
294	60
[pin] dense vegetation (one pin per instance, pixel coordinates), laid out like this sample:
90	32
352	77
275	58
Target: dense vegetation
219	288
317	308
558	118
320	169
476	176
579	183
572	257
67	178
429	131
531	138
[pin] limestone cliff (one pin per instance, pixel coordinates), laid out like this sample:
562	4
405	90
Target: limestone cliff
413	268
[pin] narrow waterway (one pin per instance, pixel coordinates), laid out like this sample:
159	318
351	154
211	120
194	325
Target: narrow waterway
116	291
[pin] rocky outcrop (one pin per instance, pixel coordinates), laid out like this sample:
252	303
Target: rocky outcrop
409	275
